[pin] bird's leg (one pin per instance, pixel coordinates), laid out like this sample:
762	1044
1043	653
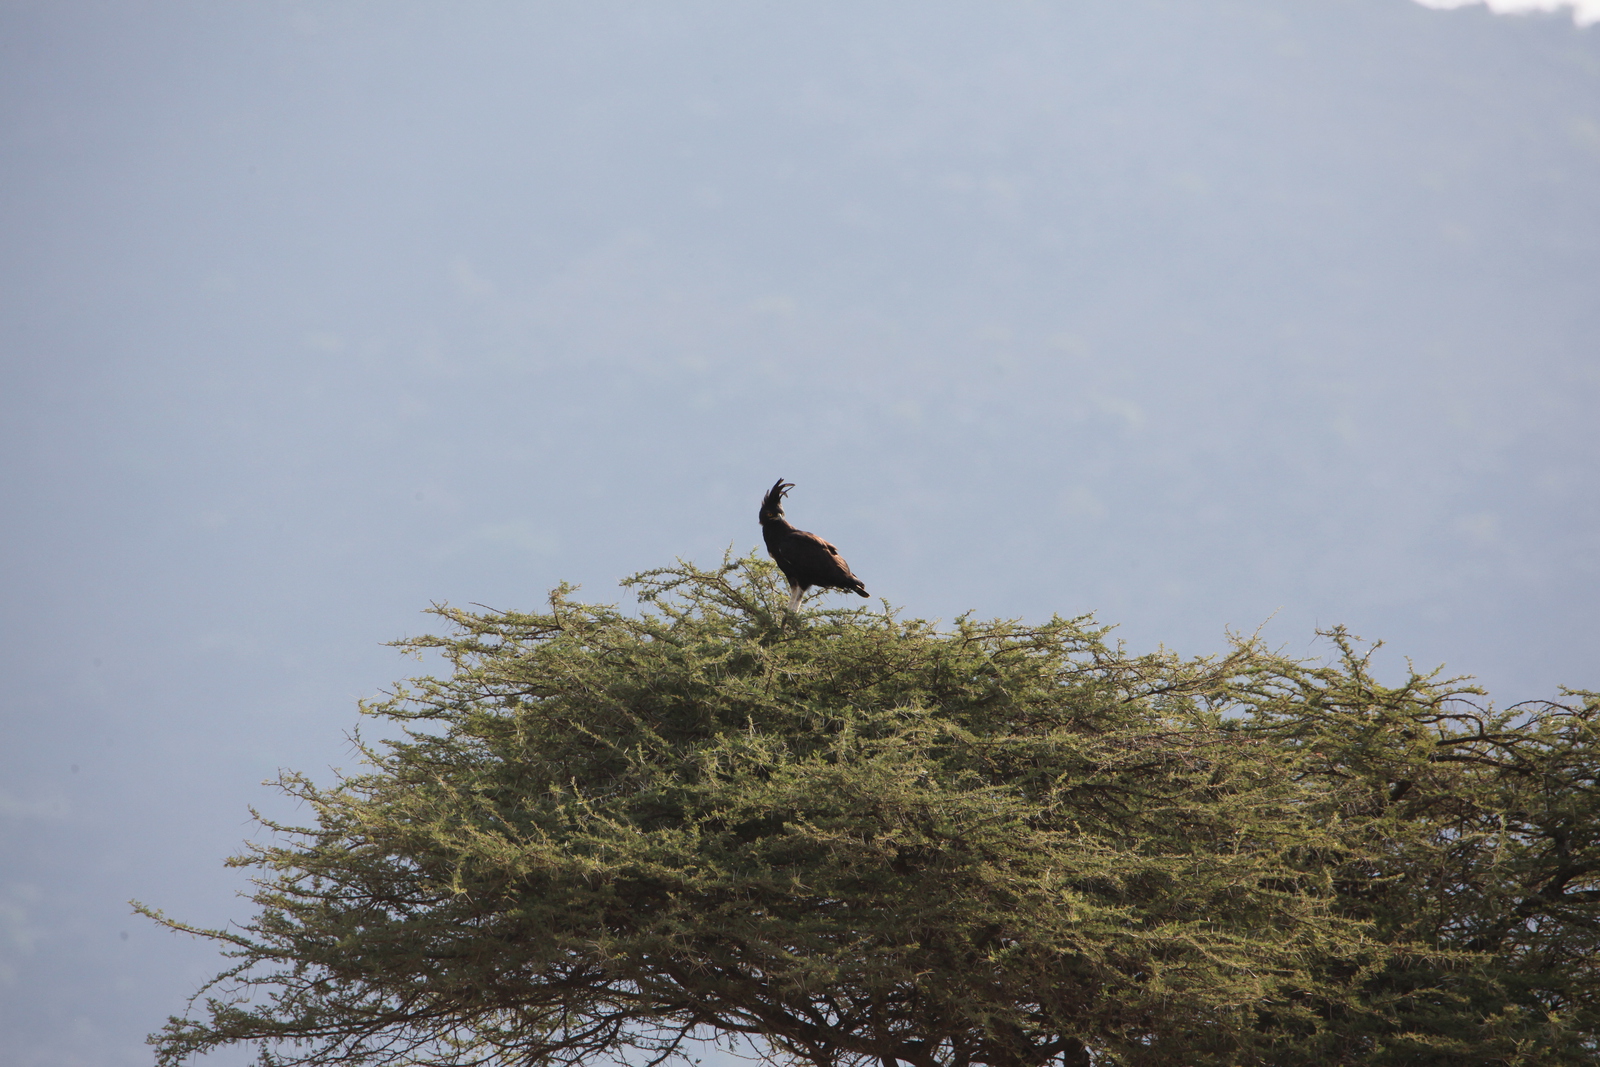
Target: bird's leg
795	593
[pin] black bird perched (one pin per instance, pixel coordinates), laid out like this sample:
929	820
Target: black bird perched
804	558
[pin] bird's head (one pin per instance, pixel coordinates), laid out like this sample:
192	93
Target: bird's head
772	503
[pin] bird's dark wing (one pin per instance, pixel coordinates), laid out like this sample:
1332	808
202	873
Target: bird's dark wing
809	560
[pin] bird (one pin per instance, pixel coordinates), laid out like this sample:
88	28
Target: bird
804	558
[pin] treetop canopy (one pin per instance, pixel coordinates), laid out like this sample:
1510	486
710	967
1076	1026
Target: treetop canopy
856	838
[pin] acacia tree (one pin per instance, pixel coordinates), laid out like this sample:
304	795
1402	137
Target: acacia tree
857	838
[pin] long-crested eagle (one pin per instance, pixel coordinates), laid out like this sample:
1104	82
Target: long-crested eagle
804	558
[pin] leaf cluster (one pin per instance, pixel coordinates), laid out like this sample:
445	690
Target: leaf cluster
855	837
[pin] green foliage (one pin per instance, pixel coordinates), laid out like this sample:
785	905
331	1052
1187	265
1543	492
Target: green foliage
854	838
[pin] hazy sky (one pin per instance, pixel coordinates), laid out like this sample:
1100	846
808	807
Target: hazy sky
1193	315
1584	12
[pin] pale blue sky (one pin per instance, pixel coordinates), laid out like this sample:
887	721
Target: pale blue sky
1192	315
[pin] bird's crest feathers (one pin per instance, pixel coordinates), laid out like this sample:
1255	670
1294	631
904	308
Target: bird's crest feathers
772	503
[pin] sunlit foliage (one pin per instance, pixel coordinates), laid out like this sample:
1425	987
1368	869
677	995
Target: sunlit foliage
861	839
